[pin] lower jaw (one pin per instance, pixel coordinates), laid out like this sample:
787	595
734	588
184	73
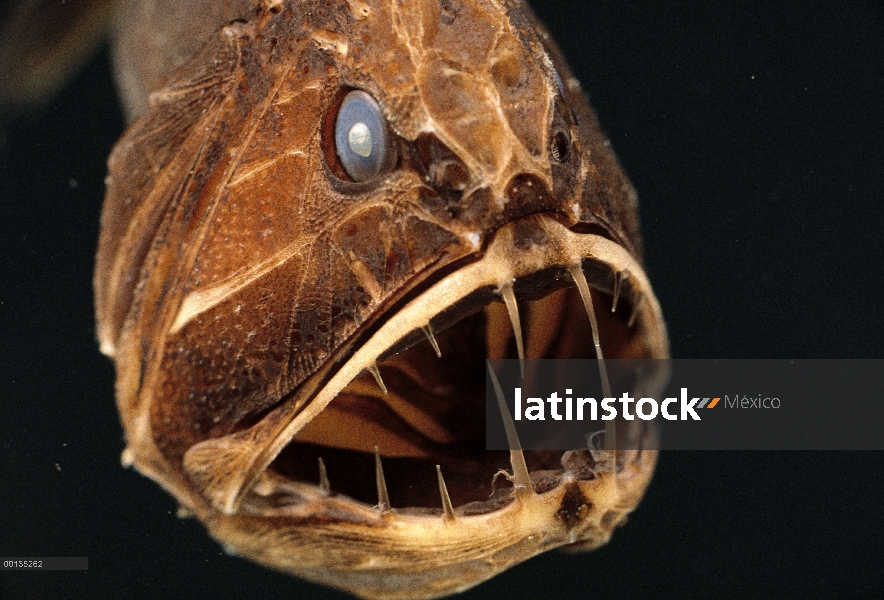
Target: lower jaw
375	552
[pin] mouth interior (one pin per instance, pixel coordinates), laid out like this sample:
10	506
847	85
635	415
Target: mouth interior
433	411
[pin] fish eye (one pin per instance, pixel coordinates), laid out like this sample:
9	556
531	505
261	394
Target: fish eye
361	138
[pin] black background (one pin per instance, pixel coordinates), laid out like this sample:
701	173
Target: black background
753	132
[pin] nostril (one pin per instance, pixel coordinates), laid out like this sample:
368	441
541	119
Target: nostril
559	146
452	175
444	169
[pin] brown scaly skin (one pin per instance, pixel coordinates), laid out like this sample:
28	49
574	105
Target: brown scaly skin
243	283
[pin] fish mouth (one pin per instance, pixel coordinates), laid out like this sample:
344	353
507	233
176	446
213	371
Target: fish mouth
417	385
395	432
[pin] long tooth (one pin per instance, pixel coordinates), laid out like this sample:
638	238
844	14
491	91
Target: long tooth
447	508
383	496
324	485
373	369
619	276
582	285
509	298
429	333
521	479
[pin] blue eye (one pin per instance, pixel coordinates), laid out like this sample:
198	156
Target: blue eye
361	136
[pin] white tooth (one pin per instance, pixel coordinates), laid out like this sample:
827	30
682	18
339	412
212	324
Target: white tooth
373	369
509	298
383	496
582	285
521	479
447	508
619	276
324	485
428	331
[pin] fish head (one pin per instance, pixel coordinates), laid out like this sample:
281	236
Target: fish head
322	227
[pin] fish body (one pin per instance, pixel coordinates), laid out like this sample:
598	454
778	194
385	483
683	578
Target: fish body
299	302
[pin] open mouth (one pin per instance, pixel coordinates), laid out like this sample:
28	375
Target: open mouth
412	395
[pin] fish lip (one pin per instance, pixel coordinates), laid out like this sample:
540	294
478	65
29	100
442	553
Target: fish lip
506	259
